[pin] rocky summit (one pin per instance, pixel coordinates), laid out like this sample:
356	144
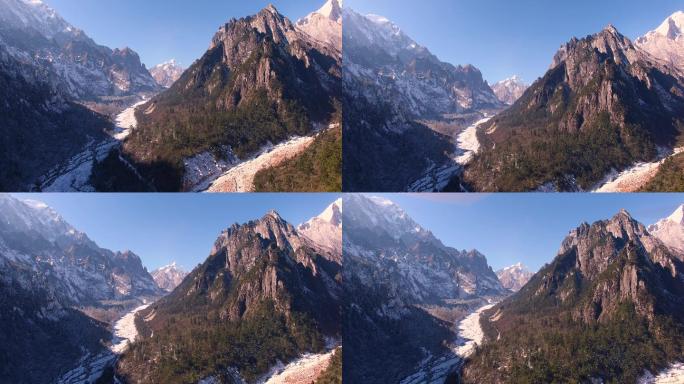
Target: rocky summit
613	294
602	94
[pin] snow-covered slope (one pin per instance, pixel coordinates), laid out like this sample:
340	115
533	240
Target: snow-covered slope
514	277
510	90
33	237
325	24
670	230
37	35
667	41
166	73
169	276
325	230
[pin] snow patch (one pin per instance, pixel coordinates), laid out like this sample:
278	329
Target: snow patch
635	177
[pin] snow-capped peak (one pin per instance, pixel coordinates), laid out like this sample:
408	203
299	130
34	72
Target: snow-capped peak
510	89
332	9
514	277
325	230
324	25
670	230
677	216
169	276
667	41
167	73
673	26
333	214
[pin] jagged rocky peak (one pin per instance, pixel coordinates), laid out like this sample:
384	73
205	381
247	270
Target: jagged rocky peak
610	43
169	277
166	73
514	277
510	90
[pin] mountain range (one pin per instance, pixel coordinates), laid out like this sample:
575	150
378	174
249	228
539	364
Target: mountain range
514	277
606	309
605	104
406	104
263	81
169	276
67	302
404	291
166	73
59	290
57	85
271	292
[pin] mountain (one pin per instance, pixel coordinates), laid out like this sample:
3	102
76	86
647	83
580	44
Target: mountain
670	230
402	103
325	230
606	309
55	283
667	41
262	81
51	74
514	277
168	277
263	296
83	69
325	24
39	124
403	291
509	90
165	74
604	105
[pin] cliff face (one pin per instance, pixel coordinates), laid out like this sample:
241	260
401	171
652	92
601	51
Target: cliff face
612	283
599	89
259	276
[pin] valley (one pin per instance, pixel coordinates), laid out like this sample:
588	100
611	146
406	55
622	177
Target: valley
75	175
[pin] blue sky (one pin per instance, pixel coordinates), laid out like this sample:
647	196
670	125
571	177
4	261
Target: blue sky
163	29
506	37
508	228
162	228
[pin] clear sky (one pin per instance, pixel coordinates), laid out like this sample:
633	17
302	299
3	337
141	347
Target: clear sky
527	228
163	29
506	37
162	228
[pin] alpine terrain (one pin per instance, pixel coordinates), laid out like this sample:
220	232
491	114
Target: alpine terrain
407	297
166	73
264	95
607	309
58	90
60	293
606	105
169	277
670	230
406	113
263	306
509	90
514	277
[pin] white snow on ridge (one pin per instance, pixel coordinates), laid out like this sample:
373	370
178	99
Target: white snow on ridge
74	175
126	121
305	369
125	330
240	178
470	333
672	375
91	367
635	177
467	143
